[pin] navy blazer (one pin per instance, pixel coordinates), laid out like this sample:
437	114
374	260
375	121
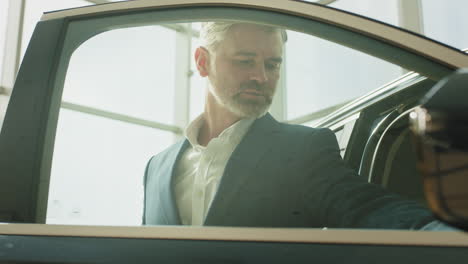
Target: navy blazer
283	175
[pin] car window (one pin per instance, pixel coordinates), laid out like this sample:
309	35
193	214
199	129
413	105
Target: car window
167	117
129	93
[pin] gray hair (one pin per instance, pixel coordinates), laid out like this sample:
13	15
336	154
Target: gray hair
212	33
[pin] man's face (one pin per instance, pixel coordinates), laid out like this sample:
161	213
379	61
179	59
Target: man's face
245	68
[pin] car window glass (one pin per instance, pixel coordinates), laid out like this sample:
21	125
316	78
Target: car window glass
127	71
130	92
320	74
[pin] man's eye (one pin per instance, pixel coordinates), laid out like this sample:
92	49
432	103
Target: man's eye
245	62
273	65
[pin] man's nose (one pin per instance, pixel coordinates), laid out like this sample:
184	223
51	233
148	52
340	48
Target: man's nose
259	74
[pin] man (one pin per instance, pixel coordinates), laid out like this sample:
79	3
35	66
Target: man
240	167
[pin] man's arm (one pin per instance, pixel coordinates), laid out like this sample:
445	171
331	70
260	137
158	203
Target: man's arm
438	226
343	199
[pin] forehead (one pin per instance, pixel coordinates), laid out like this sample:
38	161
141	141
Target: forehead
253	38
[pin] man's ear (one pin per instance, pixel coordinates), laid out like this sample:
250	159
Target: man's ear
202	60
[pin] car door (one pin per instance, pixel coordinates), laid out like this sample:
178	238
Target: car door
103	88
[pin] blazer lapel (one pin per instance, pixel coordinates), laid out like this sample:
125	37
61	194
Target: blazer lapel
166	190
242	165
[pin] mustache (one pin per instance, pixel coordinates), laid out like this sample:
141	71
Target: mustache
253	85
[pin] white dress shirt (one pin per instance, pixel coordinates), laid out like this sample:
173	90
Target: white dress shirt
200	169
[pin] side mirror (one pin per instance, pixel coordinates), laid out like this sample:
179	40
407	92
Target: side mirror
440	131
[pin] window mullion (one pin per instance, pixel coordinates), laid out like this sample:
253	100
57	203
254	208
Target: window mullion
182	79
410	15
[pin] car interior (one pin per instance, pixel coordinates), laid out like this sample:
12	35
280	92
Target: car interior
383	137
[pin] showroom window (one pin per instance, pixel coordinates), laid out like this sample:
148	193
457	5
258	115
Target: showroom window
33	11
322	75
118	94
444	20
126	71
385	11
3	28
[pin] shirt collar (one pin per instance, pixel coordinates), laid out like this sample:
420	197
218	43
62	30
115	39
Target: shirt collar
233	134
192	130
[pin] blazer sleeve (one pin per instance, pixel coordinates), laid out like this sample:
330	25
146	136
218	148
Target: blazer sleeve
341	198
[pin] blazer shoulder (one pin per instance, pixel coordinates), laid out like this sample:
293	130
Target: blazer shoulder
309	137
168	153
293	128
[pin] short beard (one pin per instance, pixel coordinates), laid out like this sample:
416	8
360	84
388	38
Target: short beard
247	108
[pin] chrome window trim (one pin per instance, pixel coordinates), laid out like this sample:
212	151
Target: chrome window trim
377	132
376	95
